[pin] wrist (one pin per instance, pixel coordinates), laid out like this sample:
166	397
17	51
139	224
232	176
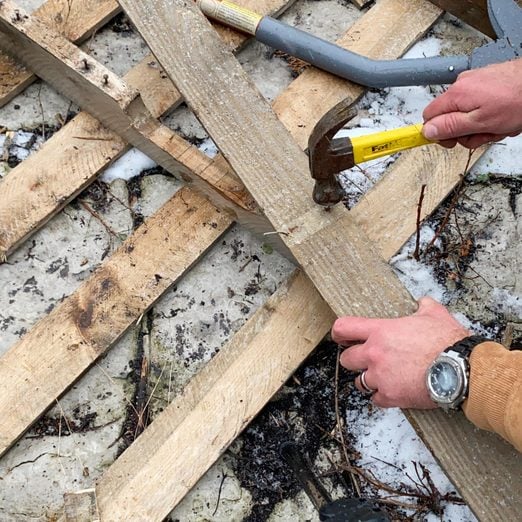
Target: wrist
447	378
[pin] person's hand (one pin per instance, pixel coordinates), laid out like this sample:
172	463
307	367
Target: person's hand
483	105
397	352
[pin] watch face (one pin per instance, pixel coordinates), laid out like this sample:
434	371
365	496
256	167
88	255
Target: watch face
445	381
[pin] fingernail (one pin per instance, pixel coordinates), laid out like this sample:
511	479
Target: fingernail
430	131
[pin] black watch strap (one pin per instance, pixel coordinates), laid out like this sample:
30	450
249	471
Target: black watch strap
465	346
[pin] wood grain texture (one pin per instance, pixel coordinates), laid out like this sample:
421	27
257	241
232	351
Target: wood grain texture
179	446
59	348
76	21
263	154
40	187
330	247
473	12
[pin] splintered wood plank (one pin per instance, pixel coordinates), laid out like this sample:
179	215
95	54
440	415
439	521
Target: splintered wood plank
77	21
332	249
59	348
42	185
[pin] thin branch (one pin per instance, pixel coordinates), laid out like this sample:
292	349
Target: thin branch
453	204
418	223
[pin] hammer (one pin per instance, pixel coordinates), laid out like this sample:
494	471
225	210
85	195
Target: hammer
328	156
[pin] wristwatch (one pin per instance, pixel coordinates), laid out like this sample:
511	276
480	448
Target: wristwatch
447	378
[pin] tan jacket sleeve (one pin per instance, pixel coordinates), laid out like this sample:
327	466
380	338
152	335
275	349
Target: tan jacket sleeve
495	391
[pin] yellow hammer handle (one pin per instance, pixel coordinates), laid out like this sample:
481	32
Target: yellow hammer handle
372	146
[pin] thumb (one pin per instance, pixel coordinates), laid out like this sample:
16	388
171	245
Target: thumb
450	125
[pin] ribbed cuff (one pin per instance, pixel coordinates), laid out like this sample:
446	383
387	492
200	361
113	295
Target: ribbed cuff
494	397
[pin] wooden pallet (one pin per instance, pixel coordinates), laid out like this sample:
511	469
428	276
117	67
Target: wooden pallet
80	330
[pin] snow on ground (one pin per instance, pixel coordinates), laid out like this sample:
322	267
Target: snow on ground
386	434
128	166
380	435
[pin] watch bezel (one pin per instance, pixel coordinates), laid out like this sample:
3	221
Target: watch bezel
459	363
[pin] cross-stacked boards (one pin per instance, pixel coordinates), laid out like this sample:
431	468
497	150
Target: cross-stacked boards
401	22
77	21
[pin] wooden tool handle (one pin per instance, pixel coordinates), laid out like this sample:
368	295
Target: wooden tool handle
231	15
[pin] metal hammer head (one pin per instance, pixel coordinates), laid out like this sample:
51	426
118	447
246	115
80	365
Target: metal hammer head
328	156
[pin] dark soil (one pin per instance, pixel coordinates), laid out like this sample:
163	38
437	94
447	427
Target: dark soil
303	412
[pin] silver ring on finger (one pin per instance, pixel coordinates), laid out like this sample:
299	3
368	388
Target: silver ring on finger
364	385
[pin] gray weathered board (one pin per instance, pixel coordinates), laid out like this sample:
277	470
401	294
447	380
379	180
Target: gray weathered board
332	250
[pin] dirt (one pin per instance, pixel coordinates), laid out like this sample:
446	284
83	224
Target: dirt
303	412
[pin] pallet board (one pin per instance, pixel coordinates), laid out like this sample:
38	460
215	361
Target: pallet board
59	348
41	186
332	250
77	21
86	155
411	167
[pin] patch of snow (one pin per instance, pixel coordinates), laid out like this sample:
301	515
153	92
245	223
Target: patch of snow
501	158
430	46
474	326
208	147
134	162
20	152
386	435
507	302
20	144
418	277
22	138
128	166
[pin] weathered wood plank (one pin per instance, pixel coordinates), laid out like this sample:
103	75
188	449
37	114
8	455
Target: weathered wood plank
254	141
76	21
60	347
90	150
331	248
40	186
180	445
43	184
473	12
479	492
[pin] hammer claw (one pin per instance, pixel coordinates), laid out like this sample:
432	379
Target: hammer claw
327	156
